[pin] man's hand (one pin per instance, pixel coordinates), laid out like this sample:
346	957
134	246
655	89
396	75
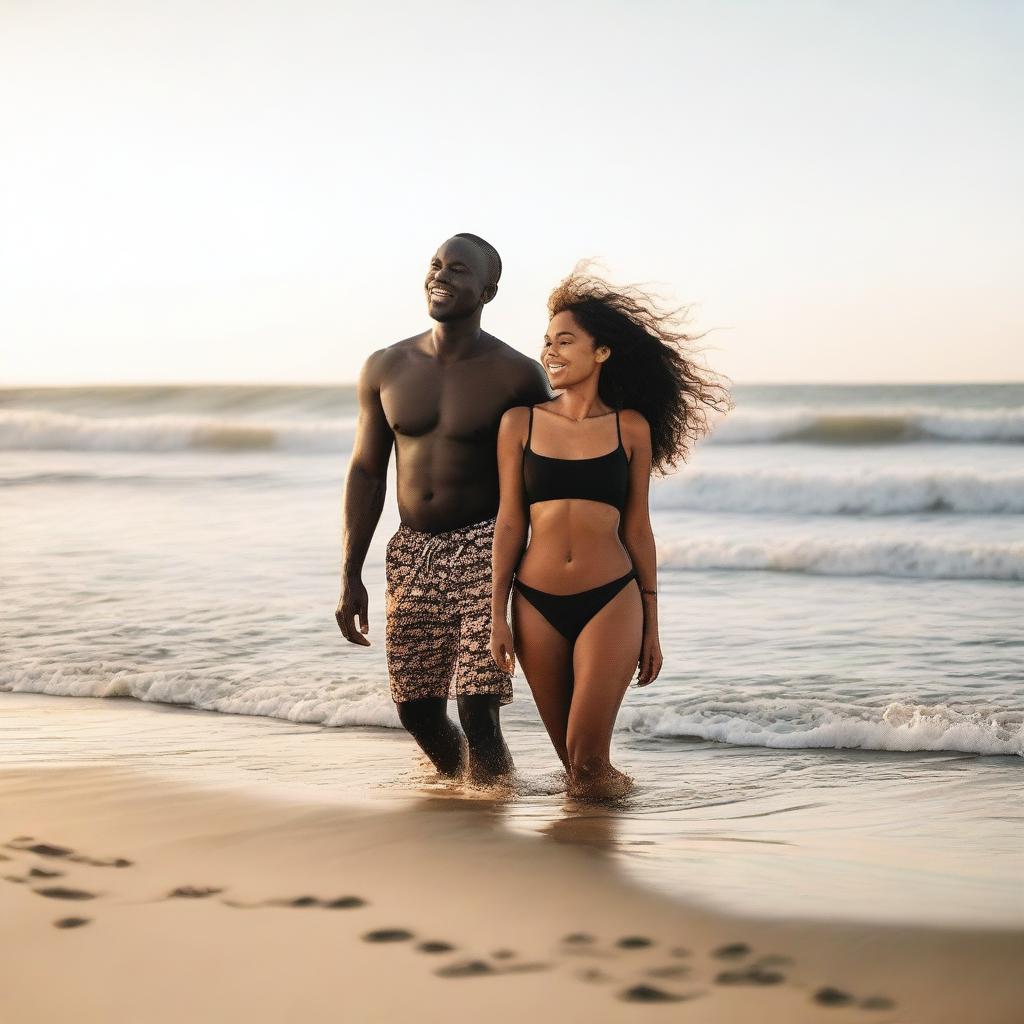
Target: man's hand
353	603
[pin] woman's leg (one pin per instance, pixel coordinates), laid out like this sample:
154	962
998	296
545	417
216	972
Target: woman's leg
547	664
604	661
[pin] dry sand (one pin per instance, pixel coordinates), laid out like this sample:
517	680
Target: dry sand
535	927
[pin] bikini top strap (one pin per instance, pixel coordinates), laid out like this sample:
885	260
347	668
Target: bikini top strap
529	432
618	428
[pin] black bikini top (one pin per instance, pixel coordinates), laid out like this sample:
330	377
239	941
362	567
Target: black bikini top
603	478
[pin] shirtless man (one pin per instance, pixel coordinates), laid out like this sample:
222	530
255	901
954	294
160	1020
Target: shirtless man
438	397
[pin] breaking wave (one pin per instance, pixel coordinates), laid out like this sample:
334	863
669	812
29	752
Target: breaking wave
871	426
39	430
887	492
913	559
796	724
45	429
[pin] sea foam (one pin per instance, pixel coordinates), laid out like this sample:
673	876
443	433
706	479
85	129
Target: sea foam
352	703
870	493
44	429
916	559
870	425
797	724
41	430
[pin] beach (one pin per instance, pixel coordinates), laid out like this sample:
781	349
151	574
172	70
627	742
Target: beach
209	887
827	813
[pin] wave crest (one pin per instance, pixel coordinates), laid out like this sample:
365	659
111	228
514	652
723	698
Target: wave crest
796	724
871	426
42	430
874	557
877	493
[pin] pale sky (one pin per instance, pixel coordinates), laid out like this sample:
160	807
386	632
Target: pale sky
251	191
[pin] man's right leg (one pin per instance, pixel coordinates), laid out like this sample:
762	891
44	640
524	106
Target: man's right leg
421	642
427	721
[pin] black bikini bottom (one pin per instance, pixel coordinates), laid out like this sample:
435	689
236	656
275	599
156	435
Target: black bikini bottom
569	613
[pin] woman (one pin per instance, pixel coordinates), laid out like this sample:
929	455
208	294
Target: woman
576	471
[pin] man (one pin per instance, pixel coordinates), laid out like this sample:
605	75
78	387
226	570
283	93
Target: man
438	397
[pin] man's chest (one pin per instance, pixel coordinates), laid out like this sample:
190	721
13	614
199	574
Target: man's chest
461	402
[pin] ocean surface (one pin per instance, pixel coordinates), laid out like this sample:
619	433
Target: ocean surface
841	575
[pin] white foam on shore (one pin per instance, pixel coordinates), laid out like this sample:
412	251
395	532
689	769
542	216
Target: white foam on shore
798	724
742	721
843	557
337	702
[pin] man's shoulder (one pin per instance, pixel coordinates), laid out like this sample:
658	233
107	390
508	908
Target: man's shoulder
379	363
522	367
504	351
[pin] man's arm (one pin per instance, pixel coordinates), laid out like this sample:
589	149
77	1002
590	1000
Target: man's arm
365	488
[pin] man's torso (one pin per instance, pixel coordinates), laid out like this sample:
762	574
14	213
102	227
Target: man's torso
445	421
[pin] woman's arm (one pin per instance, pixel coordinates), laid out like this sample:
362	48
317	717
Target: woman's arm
638	537
509	530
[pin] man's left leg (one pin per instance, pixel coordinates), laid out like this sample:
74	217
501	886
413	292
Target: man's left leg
489	757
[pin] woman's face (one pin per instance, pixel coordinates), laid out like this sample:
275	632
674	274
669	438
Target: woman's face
569	355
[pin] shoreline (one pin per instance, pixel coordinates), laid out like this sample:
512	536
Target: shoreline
903	839
249	896
283	906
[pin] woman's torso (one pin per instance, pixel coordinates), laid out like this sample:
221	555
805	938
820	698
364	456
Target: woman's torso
576	478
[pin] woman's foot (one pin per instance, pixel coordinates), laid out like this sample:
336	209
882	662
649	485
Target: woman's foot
600	781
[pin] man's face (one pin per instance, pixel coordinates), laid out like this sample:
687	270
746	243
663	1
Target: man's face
458	281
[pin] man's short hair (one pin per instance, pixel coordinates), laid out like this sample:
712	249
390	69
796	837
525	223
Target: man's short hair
493	259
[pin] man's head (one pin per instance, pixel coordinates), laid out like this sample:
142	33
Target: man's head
462	277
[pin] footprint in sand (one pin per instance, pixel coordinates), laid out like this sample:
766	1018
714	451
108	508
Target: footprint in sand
829	996
750	976
335	903
476	968
192	892
435	947
43	873
733	951
634	942
582	944
466	969
71	922
29	845
387	935
650	994
59	892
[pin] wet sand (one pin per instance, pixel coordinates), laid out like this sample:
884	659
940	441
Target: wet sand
130	895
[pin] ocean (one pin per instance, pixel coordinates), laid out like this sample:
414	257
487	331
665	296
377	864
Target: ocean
841	710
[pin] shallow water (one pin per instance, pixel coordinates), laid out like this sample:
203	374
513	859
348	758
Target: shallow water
841	585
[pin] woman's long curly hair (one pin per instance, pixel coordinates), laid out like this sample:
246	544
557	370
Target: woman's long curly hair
652	367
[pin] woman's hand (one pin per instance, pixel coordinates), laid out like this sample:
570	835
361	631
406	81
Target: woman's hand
650	658
502	650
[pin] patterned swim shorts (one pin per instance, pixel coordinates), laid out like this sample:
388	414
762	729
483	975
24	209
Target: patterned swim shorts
438	629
